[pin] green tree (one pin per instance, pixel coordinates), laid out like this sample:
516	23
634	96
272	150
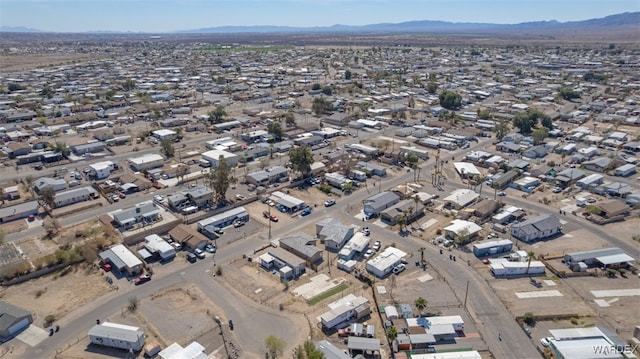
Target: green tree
320	105
547	122
432	87
275	346
133	304
47	91
301	159
13	87
128	84
217	115
539	135
60	147
219	180
421	304
275	128
392	332
450	100
462	237
568	93
501	129
48	196
526	121
327	90
484	114
308	351
347	75
289	119
166	147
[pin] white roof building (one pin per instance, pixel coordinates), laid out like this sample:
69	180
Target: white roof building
461	198
466	169
459	226
383	264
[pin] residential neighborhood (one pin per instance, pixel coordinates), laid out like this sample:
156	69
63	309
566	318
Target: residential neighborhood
195	199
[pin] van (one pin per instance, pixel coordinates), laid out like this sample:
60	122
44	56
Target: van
190	210
191	257
204	163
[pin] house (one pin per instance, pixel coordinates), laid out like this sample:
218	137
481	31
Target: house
407	207
267	176
200	196
213	156
11	193
333	233
599	164
56	184
15	149
117	336
330	351
539	227
591	181
350	307
146	162
337	180
209	226
19	211
159	247
579	343
290	203
492	247
122	259
613	208
625	170
144	213
378	202
534	152
86	148
194	350
460	198
615	189
13	320
381	265
188	237
372	168
504	180
100	170
371	346
286	263
459	228
466	169
164	134
508	147
569	176
356	246
501	267
604	257
303	246
73	196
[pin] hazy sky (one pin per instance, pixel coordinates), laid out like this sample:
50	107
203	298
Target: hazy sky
171	15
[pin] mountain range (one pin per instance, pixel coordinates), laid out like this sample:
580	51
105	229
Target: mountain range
624	20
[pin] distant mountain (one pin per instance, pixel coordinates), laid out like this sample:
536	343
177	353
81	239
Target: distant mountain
431	26
17	29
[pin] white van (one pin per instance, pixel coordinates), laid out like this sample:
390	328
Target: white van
190	210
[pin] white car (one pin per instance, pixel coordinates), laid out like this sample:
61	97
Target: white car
399	268
158	198
369	253
376	246
330	202
557	190
545	341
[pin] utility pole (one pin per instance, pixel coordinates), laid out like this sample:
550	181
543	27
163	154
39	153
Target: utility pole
219	322
269	222
465	295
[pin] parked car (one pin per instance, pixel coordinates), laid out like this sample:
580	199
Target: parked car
376	246
240	197
399	268
273	218
115	197
211	248
545	341
158	198
557	190
330	202
501	194
238	223
176	245
369	253
191	257
199	253
142	279
305	212
366	231
122	195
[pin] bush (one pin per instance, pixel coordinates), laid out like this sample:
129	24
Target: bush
219	270
528	318
574	321
49	319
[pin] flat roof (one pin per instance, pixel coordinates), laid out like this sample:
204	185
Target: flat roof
360	343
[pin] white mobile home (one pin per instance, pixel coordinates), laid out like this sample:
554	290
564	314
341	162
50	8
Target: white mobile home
117	336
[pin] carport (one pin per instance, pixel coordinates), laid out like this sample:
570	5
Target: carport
359	345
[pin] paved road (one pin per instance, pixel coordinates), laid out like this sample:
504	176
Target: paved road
252	323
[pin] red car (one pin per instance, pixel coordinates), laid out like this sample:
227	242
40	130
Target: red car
106	267
122	195
157	185
142	279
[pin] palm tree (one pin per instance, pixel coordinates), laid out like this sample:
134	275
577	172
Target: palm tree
392	333
495	186
421	250
416	199
530	256
420	304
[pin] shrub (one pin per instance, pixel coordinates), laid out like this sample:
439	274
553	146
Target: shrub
219	270
574	321
49	319
528	318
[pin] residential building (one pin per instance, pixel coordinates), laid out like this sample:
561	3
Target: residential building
542	226
13	320
603	258
501	267
289	265
292	204
625	170
146	162
459	228
356	246
122	259
303	246
213	156
159	248
18	211
382	265
101	170
460	198
73	196
345	309
117	336
267	176
142	213
375	204
407	207
209	226
492	247
333	233
56	184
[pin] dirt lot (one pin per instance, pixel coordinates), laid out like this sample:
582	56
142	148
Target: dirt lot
57	294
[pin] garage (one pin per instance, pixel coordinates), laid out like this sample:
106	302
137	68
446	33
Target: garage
12	320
